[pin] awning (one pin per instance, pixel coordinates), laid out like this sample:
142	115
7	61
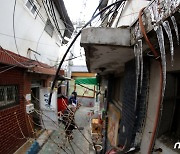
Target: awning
89	81
10	58
106	49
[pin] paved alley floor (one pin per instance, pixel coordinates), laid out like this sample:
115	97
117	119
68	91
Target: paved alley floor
81	143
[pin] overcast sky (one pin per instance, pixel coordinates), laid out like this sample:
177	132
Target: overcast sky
74	7
80	10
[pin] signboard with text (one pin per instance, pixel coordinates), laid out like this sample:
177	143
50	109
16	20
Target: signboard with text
49	117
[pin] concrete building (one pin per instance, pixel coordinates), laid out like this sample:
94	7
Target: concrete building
138	63
86	91
32	35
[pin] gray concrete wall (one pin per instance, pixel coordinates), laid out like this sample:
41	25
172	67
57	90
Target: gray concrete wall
168	105
154	91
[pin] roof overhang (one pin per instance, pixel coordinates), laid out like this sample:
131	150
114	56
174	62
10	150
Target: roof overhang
10	58
154	17
106	49
64	16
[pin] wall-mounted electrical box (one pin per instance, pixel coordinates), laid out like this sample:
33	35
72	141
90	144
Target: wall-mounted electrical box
29	108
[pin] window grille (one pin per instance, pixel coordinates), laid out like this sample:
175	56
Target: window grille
32	6
8	95
49	27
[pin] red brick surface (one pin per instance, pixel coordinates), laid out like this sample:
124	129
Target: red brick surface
10	58
10	134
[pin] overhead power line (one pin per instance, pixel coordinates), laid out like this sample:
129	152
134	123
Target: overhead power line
14	32
59	67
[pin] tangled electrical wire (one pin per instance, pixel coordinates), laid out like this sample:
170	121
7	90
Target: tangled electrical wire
73	41
57	72
68	121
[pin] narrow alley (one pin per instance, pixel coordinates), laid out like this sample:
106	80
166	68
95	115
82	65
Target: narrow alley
90	77
81	142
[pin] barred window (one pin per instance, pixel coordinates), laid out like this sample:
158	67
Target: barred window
49	28
8	96
32	6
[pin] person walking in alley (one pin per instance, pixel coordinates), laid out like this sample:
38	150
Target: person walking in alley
73	99
69	121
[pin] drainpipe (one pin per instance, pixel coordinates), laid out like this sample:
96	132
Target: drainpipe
158	113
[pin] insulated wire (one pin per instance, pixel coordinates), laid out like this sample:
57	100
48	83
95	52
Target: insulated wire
35	123
113	15
80	131
66	146
88	88
64	19
8	69
54	17
55	124
71	146
50	136
97	8
37	11
16	60
36	51
14	34
43	65
19	126
41	113
75	57
48	15
19	138
158	112
104	15
74	143
31	127
14	10
59	67
123	5
78	147
39	40
54	141
26	39
47	10
4	67
59	146
107	14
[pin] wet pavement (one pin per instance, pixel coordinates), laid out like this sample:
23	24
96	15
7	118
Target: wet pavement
81	143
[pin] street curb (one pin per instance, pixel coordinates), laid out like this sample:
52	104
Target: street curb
42	139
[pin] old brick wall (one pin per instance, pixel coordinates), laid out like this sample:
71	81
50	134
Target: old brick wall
11	137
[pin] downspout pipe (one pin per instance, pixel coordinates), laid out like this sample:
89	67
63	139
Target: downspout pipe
158	113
